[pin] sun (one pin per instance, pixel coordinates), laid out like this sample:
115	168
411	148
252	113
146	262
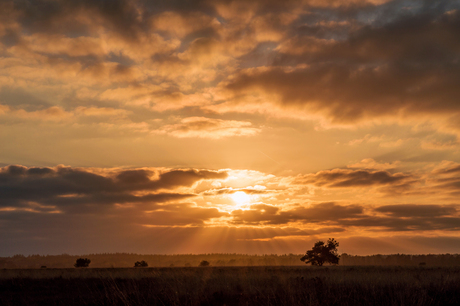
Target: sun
240	198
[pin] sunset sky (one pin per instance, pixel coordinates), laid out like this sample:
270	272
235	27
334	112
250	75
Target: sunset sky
258	127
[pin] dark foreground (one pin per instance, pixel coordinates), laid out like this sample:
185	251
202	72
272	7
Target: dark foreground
232	286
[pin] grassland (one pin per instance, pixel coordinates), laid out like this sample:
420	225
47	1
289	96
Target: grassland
232	286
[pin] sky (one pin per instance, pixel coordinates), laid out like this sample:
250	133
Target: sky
229	126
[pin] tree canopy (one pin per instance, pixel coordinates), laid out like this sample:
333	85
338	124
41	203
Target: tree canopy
322	253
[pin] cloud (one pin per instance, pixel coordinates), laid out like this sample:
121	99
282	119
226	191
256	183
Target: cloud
69	16
181	214
18	98
209	128
307	59
315	213
54	203
371	164
76	189
175	178
182	24
83	78
447	168
406	217
248	190
405	224
414	210
352	178
440	145
404	65
53	113
445	179
401	217
101	111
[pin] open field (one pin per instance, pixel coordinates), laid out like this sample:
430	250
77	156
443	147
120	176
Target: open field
302	285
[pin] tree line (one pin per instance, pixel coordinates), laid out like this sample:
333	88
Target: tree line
127	260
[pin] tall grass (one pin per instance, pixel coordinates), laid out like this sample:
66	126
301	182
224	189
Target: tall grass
232	286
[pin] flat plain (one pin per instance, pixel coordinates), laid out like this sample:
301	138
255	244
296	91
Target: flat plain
303	285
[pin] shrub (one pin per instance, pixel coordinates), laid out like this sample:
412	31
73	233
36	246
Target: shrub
142	263
82	263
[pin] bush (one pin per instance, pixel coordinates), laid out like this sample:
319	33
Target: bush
139	264
82	263
204	263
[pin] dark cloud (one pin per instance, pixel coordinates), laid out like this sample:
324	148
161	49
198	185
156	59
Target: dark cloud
103	203
58	22
62	16
423	36
359	59
409	65
404	224
176	178
76	189
452	187
352	178
96	207
344	92
317	213
414	210
127	18
10	38
324	211
403	217
450	170
408	217
21	99
446	179
134	176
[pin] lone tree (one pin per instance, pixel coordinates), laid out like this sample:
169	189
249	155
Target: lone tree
82	263
204	263
321	253
142	263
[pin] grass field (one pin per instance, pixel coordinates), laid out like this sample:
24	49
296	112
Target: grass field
232	286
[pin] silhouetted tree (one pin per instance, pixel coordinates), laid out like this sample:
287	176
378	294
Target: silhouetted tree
82	263
141	263
321	253
204	263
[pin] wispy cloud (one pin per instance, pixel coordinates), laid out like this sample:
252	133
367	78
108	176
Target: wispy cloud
208	128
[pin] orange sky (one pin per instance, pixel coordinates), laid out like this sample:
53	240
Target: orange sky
229	126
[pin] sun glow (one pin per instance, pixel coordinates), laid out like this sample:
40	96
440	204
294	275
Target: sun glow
240	198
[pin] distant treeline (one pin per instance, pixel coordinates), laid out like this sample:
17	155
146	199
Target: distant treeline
442	260
121	260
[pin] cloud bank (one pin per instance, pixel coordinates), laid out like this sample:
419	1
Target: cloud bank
52	203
